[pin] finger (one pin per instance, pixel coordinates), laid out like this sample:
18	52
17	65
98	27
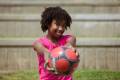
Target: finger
50	69
77	54
71	47
56	72
74	50
45	65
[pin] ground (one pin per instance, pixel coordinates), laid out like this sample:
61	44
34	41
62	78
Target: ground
81	74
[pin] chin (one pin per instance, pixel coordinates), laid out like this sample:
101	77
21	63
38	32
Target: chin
58	36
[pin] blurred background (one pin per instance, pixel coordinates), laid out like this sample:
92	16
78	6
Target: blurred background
96	24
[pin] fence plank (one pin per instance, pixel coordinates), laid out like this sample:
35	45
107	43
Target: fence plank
69	9
81	42
100	58
90	29
75	17
3	59
111	59
90	58
59	2
82	57
118	63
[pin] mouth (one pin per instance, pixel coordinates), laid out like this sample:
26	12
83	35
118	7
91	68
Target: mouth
59	33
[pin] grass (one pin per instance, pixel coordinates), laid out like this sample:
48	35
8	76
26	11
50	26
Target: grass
21	75
78	75
96	75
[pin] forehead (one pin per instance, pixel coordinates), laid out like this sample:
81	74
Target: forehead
62	22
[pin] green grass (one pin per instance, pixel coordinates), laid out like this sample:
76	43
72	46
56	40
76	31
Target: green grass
96	75
78	75
21	75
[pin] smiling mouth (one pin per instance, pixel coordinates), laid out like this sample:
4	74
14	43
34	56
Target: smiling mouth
59	33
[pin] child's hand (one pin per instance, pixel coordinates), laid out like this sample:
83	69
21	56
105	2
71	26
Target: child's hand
47	65
74	49
51	69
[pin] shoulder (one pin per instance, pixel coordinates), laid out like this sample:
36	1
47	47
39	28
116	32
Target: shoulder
71	40
69	37
38	43
40	40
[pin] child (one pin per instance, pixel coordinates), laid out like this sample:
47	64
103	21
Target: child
55	21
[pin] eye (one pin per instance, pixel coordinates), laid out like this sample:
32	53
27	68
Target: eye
57	24
60	24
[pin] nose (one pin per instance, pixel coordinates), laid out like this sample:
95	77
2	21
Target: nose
60	28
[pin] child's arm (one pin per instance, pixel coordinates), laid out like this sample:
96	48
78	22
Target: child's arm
71	43
39	48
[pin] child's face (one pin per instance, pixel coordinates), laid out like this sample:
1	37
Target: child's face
56	30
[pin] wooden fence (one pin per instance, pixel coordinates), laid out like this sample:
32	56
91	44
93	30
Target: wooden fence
95	24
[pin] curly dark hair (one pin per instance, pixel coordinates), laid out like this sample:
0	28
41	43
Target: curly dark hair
56	13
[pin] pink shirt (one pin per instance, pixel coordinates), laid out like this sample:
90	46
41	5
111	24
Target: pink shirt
43	73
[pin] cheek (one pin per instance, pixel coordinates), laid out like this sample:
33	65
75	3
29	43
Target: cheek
63	29
53	28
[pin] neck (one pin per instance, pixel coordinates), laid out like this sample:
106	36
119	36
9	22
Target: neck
53	39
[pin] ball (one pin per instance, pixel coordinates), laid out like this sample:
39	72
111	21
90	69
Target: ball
64	60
